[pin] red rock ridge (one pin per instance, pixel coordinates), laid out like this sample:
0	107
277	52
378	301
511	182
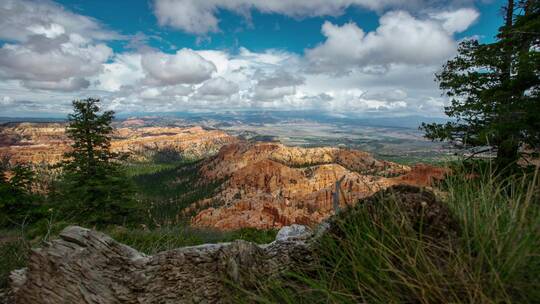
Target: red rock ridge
270	185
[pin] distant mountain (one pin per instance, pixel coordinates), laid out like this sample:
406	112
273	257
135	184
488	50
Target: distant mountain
4	119
263	117
272	117
411	122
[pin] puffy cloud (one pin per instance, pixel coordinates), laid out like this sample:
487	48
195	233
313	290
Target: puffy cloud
399	39
219	87
271	94
21	19
456	21
220	59
177	91
388	95
280	79
42	60
190	16
276	85
24	101
231	84
184	67
50	48
149	93
260	76
199	17
124	70
6	100
255	80
402	89
353	100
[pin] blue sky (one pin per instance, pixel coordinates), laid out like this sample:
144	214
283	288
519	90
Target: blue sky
357	57
264	31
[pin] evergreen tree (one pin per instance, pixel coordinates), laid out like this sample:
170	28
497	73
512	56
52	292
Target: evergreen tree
17	201
95	188
494	89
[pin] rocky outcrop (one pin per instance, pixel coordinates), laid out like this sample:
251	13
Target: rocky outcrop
417	206
46	143
269	185
85	266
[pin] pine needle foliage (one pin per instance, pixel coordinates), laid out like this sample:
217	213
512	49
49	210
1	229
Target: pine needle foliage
94	188
494	90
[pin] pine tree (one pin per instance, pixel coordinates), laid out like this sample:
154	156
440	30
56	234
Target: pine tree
17	201
494	89
95	189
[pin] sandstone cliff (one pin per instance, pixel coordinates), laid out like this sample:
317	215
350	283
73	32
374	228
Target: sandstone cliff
269	185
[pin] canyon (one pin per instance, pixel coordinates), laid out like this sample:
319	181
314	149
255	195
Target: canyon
263	185
45	143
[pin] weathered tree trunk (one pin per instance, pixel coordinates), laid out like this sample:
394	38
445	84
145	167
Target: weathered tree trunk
509	19
508	23
507	141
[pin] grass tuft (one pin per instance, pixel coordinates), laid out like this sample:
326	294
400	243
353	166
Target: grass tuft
14	251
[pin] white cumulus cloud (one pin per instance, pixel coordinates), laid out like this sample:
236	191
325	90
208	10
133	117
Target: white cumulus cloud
200	16
49	48
20	19
219	87
184	67
399	39
457	21
63	60
124	70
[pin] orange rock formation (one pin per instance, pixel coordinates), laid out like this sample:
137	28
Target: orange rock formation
46	143
269	185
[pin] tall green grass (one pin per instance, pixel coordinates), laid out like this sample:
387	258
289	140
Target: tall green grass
382	258
14	250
